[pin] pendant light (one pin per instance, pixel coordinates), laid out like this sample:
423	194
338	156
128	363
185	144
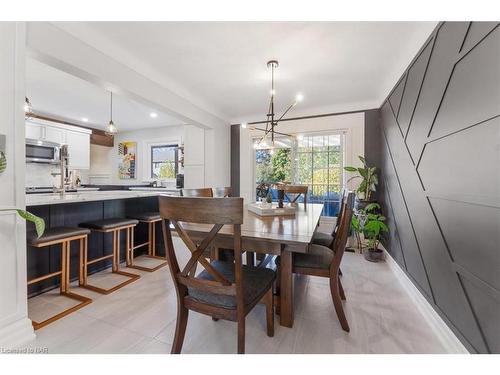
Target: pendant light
28	108
111	128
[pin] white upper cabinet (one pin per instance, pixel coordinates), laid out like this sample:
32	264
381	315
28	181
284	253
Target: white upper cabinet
77	139
33	131
79	149
53	134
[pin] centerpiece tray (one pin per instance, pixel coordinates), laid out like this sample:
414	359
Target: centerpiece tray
266	209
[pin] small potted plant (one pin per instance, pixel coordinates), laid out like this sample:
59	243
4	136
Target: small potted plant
269	200
372	230
368	184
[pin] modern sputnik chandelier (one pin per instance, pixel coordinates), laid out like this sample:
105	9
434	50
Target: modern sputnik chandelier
272	120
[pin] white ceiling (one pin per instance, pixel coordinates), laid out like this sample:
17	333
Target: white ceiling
61	95
221	66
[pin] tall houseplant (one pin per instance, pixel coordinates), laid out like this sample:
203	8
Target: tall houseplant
369	180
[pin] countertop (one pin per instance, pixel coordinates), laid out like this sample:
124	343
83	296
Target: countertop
87	196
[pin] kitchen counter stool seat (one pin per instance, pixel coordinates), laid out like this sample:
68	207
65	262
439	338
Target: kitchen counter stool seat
150	218
113	226
61	236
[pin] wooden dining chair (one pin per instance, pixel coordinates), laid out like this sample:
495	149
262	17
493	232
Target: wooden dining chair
298	190
322	261
326	239
201	192
223	290
221	192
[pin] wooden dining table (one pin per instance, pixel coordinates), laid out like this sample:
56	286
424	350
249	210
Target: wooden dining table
271	235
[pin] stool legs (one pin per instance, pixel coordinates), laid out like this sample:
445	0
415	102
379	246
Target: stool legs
64	273
115	263
151	244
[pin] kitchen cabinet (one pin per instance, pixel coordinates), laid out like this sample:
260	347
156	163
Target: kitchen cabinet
33	131
79	149
53	134
77	139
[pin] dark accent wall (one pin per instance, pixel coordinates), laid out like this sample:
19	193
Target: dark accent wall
235	160
439	155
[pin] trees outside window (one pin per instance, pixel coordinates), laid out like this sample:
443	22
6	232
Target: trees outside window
316	161
164	161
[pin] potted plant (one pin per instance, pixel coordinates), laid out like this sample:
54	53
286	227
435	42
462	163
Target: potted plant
28	216
269	200
372	230
369	182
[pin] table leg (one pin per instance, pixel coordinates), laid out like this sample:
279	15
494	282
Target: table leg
286	289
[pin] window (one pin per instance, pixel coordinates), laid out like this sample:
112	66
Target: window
164	161
315	160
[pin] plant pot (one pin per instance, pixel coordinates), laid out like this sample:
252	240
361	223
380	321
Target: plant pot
374	255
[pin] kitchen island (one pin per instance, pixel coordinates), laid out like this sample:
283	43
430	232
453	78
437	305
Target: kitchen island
72	209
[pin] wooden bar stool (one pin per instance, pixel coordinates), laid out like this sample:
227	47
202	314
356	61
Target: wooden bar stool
61	236
113	226
150	218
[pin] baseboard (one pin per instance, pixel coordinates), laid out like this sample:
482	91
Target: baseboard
16	334
444	333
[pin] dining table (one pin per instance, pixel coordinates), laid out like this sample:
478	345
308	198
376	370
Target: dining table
280	235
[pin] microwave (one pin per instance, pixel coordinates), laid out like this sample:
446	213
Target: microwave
38	151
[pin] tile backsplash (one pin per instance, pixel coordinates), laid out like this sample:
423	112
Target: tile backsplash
38	174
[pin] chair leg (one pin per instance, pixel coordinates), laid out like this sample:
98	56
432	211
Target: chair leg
277	283
241	334
337	301
180	329
341	290
270	312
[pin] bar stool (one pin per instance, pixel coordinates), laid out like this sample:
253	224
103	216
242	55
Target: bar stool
151	218
114	226
61	236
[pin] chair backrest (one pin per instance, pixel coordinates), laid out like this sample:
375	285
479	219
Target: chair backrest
221	192
296	189
340	241
342	201
201	192
216	211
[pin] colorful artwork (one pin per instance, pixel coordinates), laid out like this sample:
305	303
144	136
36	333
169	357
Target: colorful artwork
127	161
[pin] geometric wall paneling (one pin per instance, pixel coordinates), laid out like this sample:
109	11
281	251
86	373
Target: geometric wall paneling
395	97
412	88
469	165
473	94
392	239
486	306
409	246
444	54
476	32
473	247
448	293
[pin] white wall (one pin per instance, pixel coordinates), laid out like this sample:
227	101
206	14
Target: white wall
353	124
15	327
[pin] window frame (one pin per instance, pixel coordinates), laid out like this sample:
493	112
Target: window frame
176	159
147	161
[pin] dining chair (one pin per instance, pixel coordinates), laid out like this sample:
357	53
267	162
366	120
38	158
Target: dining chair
221	192
326	239
298	190
323	262
201	192
223	290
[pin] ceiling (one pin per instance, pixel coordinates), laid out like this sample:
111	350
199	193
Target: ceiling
221	66
66	97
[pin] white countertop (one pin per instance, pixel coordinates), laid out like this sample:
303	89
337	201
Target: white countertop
86	196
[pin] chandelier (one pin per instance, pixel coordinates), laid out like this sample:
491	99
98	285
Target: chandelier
272	120
111	127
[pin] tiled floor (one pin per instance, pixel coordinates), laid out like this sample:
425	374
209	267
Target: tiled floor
140	318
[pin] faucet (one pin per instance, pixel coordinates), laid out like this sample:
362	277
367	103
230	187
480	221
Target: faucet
63	171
